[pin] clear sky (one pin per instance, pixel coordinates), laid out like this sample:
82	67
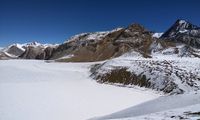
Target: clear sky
53	21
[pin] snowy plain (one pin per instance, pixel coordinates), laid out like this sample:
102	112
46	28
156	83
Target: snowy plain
37	90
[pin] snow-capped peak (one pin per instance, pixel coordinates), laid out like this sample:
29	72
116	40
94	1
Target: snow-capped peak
182	25
20	46
182	21
37	44
17	45
157	35
33	44
23	47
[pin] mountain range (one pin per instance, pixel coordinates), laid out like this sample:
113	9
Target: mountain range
131	55
181	39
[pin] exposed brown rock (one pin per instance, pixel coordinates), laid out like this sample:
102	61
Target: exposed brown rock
116	43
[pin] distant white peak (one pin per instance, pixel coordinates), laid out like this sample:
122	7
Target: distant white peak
181	25
25	45
157	35
36	44
182	21
19	46
32	44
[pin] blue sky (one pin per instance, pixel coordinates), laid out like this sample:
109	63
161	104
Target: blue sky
53	21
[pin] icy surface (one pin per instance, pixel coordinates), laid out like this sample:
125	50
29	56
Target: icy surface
36	90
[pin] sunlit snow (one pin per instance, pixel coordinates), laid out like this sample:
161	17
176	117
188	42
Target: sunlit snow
36	90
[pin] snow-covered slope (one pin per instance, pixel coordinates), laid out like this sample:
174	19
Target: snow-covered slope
22	47
36	44
168	74
36	90
91	36
14	50
164	108
178	51
190	112
184	32
157	35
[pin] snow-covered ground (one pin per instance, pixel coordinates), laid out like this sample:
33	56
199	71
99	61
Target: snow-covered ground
36	90
163	108
190	112
169	74
168	107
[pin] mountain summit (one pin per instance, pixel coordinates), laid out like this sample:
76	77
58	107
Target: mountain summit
180	26
184	32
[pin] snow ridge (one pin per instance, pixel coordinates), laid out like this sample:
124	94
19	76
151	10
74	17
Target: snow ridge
91	36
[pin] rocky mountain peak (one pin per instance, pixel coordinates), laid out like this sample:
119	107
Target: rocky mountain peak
184	25
183	31
135	28
180	26
34	43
